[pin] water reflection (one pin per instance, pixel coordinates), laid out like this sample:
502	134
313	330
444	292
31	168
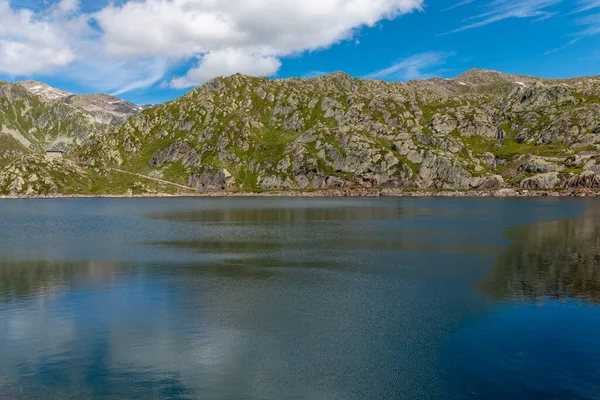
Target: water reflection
320	210
551	260
274	298
47	279
279	215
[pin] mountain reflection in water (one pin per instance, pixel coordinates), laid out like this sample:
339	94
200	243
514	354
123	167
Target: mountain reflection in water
550	260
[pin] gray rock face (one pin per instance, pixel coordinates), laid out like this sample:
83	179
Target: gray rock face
179	151
103	108
438	171
538	165
541	95
542	181
443	124
587	179
493	182
211	179
44	91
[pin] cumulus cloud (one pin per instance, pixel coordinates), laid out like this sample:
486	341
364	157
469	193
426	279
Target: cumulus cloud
228	36
414	67
223	36
181	27
65	7
31	43
228	62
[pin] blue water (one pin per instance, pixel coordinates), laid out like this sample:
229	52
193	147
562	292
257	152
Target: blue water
287	298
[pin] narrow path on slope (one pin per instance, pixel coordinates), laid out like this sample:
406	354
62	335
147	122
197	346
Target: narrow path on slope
155	179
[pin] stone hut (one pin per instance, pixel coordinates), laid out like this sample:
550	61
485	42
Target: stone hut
54	154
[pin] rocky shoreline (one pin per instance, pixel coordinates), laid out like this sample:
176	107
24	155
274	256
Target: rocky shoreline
357	192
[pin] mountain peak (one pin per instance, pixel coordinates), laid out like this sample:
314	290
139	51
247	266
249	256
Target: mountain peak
482	77
102	108
44	91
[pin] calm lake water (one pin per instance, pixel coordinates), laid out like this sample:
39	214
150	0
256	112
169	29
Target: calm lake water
284	298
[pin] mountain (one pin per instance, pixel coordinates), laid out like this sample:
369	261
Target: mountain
35	116
44	91
31	123
482	129
102	108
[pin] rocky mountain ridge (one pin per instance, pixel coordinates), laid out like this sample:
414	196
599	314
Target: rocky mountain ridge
103	108
482	129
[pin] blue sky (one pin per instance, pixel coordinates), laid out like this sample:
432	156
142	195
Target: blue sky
150	51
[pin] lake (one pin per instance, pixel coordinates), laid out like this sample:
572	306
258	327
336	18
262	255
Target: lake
300	298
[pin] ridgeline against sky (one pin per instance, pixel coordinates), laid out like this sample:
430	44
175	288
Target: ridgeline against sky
150	51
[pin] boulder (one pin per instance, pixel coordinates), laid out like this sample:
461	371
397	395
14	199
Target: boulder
549	180
538	165
493	182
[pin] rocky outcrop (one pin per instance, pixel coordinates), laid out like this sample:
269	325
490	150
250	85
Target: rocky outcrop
179	151
493	182
587	179
442	172
103	108
542	181
211	179
538	165
44	91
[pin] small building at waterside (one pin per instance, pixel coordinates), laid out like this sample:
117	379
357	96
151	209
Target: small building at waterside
54	154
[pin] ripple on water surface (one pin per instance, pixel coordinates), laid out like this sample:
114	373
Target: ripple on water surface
299	298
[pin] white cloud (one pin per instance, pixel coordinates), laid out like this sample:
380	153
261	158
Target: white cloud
66	7
227	62
273	27
116	77
229	36
499	10
414	67
225	36
31	43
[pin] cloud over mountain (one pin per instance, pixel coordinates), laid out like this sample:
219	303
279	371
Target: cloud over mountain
223	37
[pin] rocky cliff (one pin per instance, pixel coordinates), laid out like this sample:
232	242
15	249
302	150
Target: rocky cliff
482	129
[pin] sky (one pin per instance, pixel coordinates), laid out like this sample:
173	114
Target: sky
150	51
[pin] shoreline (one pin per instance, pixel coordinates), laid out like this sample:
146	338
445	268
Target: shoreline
355	192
